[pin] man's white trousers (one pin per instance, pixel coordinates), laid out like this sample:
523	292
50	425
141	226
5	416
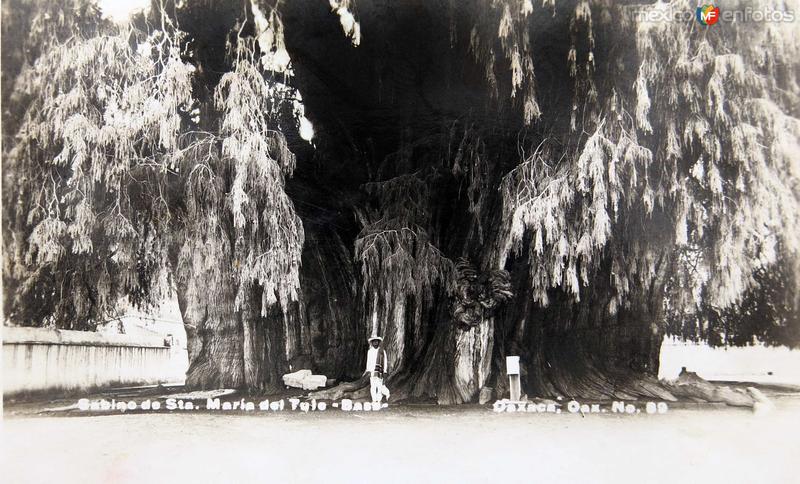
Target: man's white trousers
377	389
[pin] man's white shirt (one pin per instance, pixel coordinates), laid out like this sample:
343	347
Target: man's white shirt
372	358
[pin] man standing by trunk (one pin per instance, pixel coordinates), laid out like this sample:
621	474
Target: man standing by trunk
377	366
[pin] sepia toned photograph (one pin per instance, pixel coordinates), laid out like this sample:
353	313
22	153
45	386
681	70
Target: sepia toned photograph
400	241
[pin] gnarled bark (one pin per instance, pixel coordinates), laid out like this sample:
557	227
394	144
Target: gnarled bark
241	350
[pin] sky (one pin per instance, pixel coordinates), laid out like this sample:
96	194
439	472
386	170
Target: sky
120	10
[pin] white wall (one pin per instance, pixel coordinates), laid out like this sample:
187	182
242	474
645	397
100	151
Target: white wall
46	359
750	363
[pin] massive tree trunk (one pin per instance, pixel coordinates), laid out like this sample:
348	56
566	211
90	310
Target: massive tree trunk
328	330
456	366
214	346
243	349
581	349
322	331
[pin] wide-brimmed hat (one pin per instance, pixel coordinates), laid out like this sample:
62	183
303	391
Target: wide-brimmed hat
373	338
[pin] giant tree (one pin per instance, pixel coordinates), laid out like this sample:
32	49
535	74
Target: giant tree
489	177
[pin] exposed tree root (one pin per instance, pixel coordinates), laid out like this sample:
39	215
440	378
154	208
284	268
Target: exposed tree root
352	389
689	386
591	385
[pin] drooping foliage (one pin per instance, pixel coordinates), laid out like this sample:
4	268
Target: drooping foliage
118	179
565	181
399	262
508	23
765	314
688	168
99	119
731	161
236	208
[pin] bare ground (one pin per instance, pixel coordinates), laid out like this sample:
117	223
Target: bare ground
691	443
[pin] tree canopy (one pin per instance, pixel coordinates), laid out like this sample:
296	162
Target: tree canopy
565	180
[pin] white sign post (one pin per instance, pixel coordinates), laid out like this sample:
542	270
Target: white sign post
512	369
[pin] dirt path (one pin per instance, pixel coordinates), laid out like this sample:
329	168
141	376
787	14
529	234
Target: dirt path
407	444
